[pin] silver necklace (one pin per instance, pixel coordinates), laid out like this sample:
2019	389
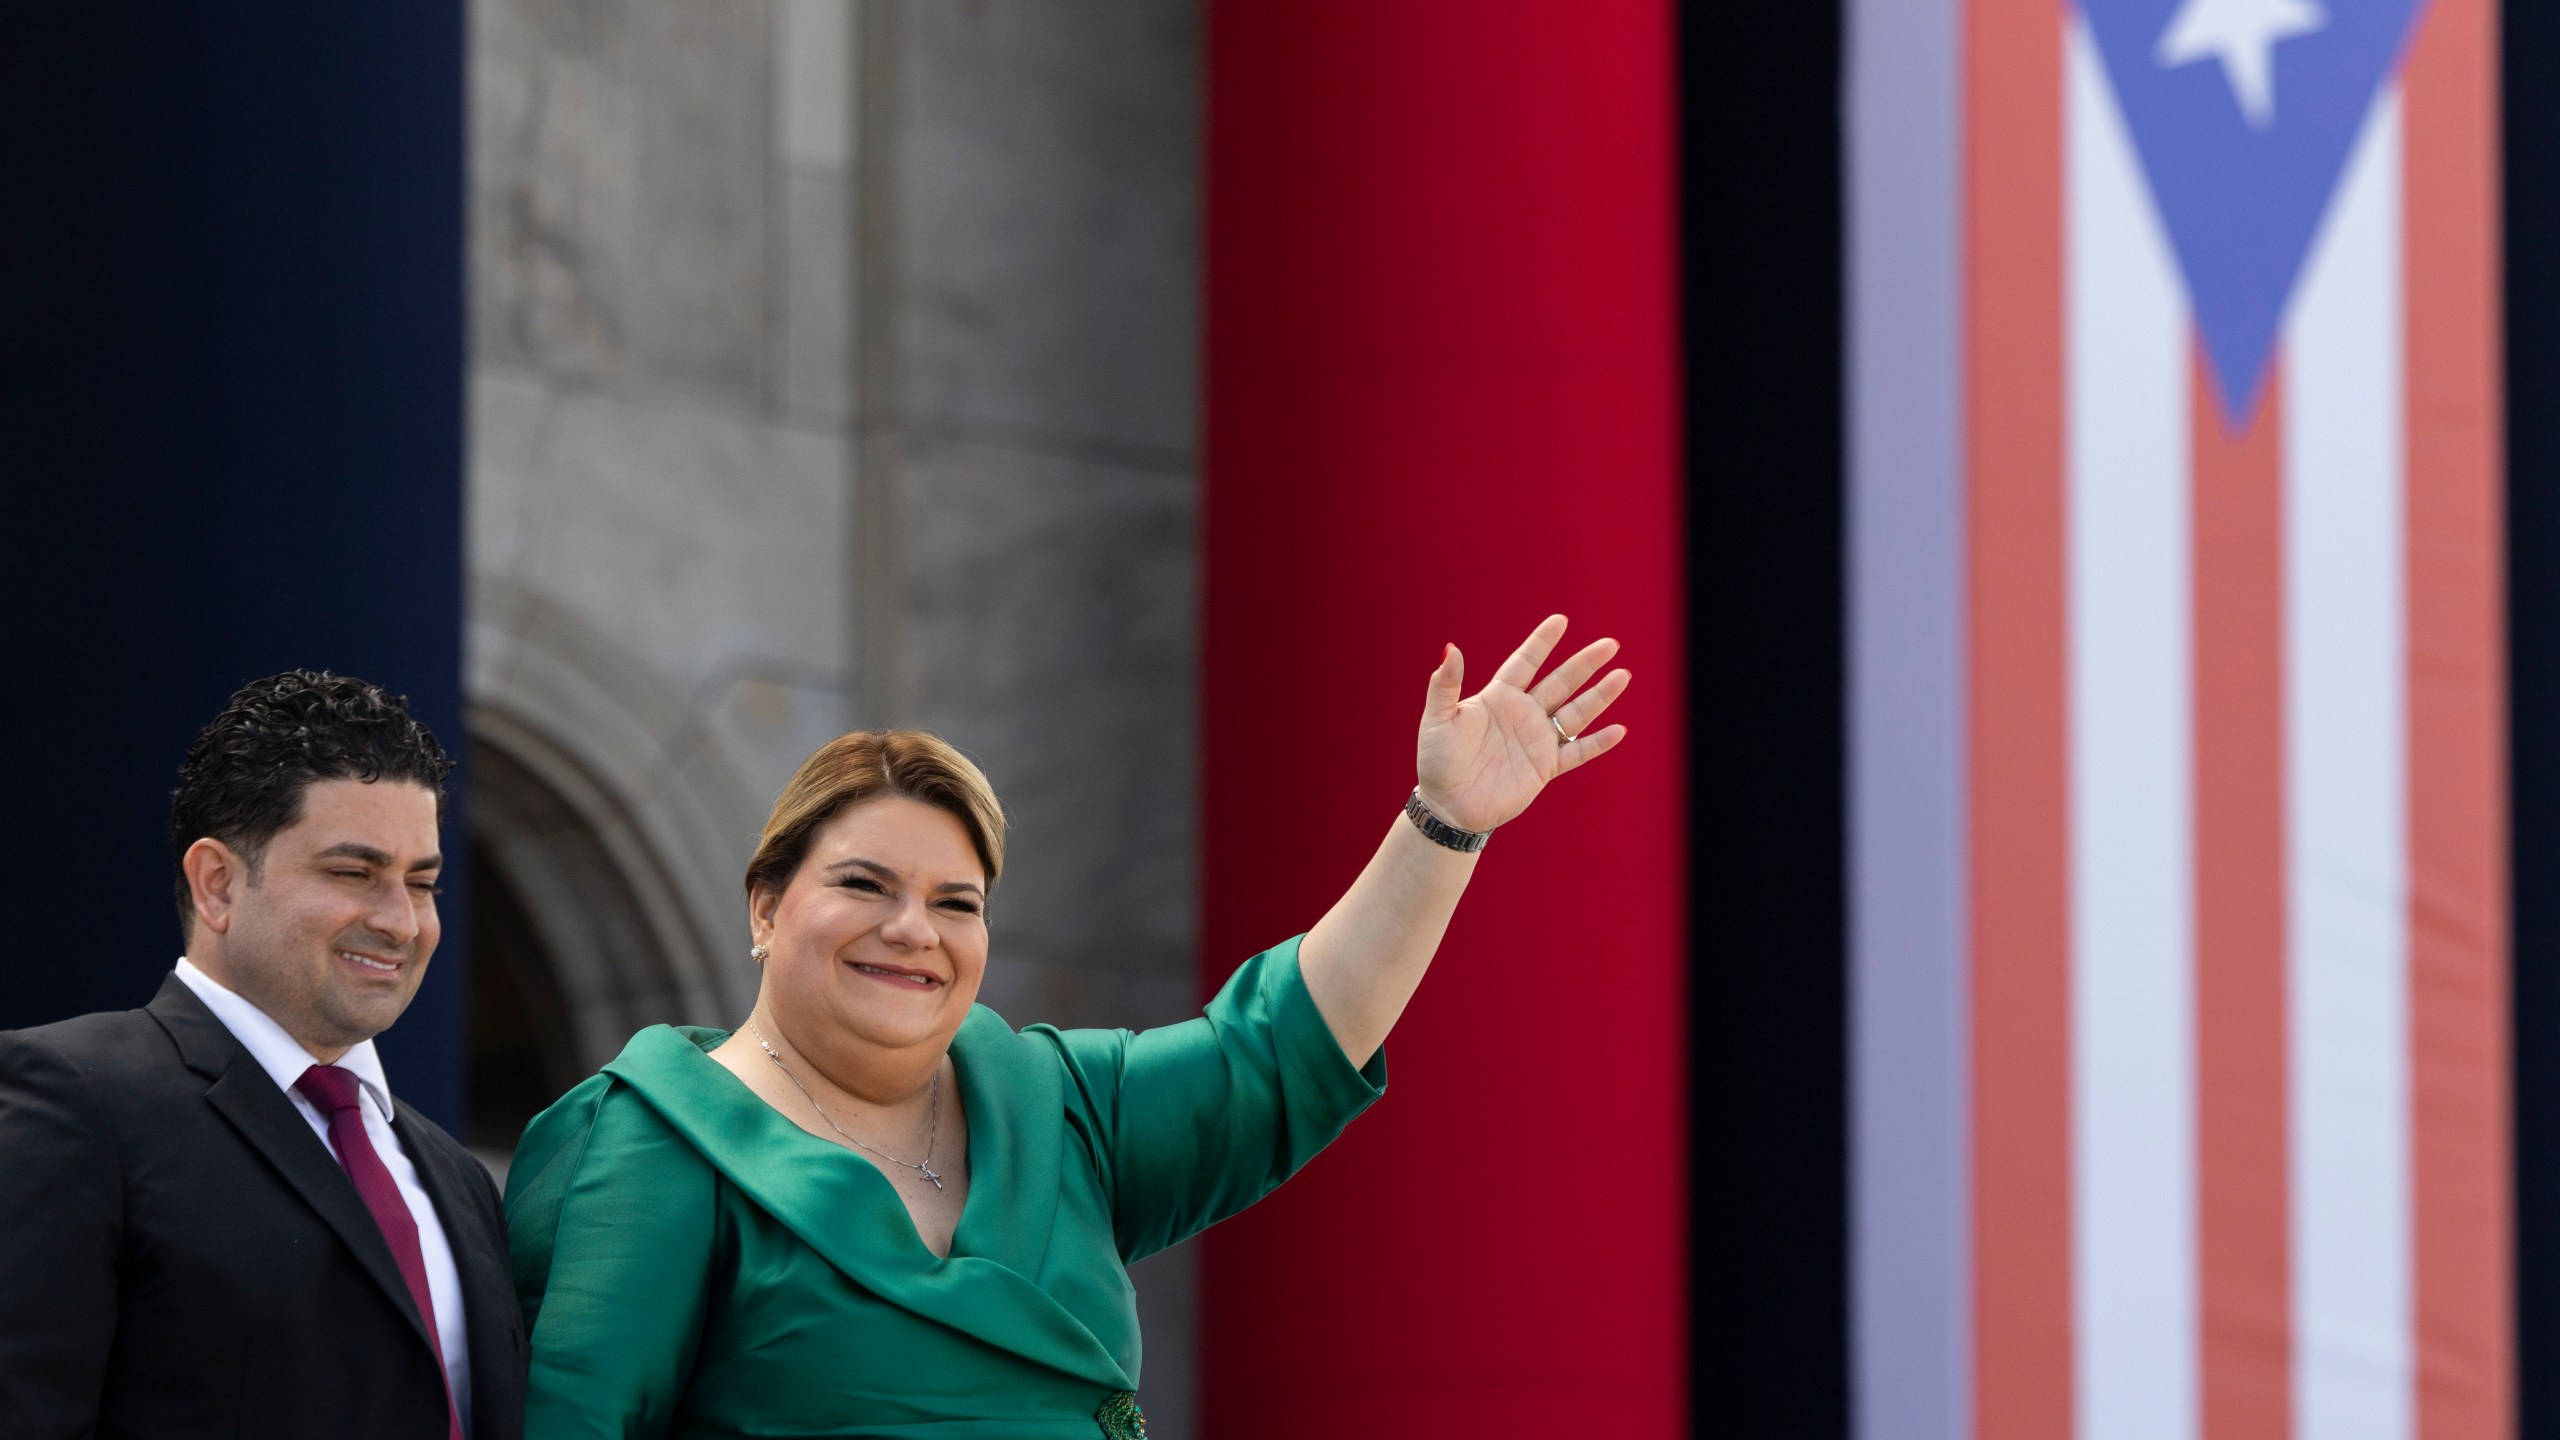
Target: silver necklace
933	1132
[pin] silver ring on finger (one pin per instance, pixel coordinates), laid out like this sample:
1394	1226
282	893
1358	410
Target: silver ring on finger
1561	737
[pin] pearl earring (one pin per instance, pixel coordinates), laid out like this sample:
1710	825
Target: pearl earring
758	954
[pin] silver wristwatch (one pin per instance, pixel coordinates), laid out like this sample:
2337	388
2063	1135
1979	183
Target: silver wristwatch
1439	831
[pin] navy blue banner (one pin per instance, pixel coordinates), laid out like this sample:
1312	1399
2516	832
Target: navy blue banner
231	356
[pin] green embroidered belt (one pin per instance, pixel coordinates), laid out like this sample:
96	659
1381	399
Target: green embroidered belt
1120	1417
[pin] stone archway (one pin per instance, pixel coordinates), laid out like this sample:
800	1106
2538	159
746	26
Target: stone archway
578	937
521	1055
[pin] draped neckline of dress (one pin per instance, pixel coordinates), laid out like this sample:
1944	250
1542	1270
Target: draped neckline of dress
961	1073
848	1211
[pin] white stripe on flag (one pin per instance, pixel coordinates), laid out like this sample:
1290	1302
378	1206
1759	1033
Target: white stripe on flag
2346	868
2131	759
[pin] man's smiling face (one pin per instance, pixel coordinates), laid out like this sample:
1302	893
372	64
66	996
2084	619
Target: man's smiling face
332	935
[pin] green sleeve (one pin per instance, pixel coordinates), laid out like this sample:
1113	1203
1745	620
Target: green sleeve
610	1218
1196	1121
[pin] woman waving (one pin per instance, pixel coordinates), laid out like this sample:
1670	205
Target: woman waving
876	1209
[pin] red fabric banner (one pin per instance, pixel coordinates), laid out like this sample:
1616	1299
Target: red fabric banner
1442	402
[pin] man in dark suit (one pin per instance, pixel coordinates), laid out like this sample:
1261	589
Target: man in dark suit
214	1218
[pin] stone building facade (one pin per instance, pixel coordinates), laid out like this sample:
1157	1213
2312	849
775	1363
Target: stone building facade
834	364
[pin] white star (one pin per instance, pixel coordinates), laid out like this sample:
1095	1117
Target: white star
2242	34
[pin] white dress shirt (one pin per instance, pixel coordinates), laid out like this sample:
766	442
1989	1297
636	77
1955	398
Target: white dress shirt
284	1060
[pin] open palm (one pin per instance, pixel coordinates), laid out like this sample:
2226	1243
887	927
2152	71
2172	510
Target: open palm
1482	759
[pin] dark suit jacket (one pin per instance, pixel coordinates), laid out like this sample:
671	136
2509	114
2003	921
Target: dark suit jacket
180	1256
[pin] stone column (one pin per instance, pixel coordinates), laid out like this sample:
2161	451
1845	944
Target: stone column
1028	493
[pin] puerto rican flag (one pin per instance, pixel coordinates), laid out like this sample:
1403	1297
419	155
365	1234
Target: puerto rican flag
2179	924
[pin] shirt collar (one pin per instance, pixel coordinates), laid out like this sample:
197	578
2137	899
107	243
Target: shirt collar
275	1050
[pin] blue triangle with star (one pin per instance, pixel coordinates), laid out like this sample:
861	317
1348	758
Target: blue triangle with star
2244	112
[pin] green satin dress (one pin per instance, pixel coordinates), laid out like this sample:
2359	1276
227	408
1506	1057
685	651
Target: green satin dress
693	1264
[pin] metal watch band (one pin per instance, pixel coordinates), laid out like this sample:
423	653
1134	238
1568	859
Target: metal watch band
1439	831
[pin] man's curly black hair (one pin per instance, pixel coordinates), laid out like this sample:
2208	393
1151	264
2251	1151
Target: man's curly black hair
243	778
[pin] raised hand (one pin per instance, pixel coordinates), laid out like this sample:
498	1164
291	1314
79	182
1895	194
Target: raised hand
1482	759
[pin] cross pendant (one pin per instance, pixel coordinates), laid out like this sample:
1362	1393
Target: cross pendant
928	1173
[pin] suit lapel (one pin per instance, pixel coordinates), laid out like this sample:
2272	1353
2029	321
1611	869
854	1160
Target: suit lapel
479	1256
243	1095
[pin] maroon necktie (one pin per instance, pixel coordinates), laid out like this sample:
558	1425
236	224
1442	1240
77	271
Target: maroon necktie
334	1091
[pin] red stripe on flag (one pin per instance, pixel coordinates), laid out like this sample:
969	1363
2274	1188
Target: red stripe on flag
2021	1232
2242	1221
2457	763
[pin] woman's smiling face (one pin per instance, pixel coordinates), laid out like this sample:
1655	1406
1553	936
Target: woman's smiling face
881	936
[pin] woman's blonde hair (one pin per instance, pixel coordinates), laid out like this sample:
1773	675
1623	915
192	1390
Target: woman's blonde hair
867	765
